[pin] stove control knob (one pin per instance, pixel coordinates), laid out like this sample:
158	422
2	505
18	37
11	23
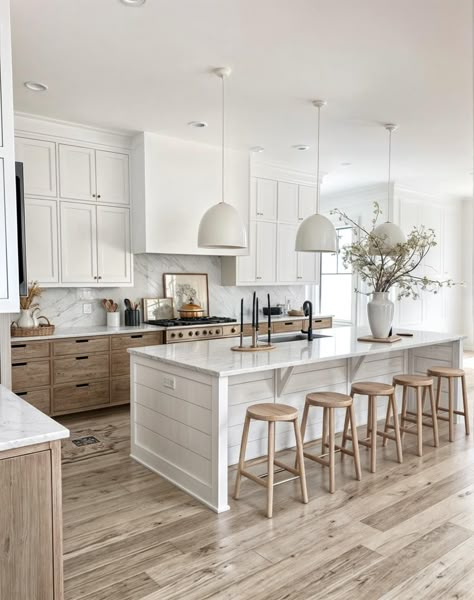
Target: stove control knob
233	330
180	334
218	331
190	333
196	333
173	335
204	332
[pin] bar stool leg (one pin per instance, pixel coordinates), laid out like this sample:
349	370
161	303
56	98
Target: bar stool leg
451	408
325	431
392	401
355	441
271	457
344	432
466	404
243	447
387	423
419	421
373	434
404	409
369	418
301	469
304	422
438	393
332	477
434	418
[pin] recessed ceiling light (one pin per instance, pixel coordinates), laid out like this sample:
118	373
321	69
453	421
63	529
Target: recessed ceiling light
35	86
197	124
257	149
301	147
133	2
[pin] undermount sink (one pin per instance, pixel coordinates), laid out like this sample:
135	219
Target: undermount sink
298	337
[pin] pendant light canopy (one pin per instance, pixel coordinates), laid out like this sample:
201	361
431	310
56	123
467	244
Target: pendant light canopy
316	233
390	234
221	225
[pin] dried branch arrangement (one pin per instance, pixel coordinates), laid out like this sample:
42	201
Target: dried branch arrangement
34	292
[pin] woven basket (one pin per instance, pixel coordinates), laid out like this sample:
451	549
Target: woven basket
43	329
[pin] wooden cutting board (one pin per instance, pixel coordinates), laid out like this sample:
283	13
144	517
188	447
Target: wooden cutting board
371	338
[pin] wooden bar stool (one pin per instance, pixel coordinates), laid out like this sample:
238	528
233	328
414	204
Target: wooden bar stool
374	390
417	383
450	374
329	401
271	413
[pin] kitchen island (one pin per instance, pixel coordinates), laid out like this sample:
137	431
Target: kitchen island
189	400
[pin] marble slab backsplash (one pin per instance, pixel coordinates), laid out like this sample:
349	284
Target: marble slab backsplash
64	306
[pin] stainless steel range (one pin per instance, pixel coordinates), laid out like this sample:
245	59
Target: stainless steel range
202	328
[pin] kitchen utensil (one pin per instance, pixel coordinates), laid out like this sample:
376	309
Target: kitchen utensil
274	310
296	313
190	310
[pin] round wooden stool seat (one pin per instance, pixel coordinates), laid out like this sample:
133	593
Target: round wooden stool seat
413	380
445	372
329	400
272	412
372	388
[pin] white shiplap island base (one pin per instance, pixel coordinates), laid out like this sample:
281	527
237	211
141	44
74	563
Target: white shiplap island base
189	400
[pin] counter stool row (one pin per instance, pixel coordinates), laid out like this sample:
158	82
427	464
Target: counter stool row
329	402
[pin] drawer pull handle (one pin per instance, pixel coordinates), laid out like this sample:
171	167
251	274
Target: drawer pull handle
82	357
81	341
82	385
21	393
289	323
19	346
318	320
19	364
136	336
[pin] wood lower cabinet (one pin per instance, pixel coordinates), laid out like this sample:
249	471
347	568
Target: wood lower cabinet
76	374
31	523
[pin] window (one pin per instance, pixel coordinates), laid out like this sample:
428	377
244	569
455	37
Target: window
336	281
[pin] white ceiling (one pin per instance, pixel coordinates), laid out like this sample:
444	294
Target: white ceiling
374	61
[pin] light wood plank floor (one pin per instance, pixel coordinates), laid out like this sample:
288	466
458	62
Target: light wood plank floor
406	532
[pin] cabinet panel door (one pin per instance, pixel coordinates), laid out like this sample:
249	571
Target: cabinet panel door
306	270
286	254
266	201
78	243
113	245
77	172
112	177
266	252
39	165
287	202
41	226
246	264
26	528
306	201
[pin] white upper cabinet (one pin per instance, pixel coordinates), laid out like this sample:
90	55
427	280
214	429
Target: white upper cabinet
112	177
287	202
9	297
41	230
266	199
306	269
113	245
39	166
287	259
78	243
265	251
77	173
306	201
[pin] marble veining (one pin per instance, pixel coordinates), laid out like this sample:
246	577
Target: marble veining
63	306
215	357
21	424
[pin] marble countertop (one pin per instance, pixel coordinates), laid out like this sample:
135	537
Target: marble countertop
21	424
214	357
93	330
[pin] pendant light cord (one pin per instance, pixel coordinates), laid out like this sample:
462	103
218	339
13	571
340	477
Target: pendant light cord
317	162
223	140
389	169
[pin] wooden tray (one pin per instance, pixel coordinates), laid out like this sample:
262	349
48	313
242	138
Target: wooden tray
388	340
42	329
258	348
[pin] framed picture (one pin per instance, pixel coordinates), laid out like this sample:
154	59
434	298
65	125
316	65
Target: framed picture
158	308
182	287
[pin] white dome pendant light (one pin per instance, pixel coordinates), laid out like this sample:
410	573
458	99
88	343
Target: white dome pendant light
316	233
390	234
221	226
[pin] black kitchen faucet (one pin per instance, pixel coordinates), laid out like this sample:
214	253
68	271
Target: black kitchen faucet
308	311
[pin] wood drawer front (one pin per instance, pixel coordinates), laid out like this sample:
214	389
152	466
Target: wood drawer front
322	323
82	345
81	368
134	340
30	350
119	363
282	326
30	374
40	399
120	390
81	395
232	330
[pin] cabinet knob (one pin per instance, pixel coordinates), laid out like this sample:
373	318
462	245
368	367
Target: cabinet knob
300	218
93	195
299	277
258	278
98	195
99	277
95	277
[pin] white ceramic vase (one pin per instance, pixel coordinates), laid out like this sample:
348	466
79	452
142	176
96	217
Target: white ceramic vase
26	318
380	312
